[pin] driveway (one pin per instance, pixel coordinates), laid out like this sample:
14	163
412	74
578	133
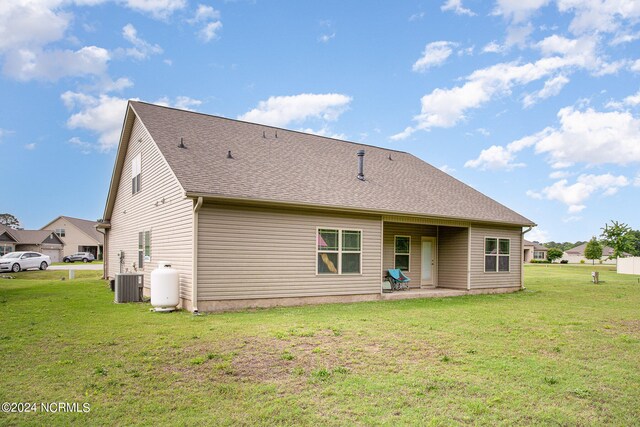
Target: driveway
77	266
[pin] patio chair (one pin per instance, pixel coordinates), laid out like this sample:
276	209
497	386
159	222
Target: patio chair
399	282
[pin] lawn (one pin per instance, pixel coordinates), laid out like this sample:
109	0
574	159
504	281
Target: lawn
562	352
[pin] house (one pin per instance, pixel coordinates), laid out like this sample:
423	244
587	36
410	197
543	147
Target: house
78	235
44	241
534	250
252	215
576	255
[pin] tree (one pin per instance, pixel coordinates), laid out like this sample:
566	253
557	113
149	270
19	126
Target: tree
619	237
10	221
636	252
593	251
553	254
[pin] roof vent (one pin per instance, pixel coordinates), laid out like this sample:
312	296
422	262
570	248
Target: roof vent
390	158
181	145
276	134
361	165
264	134
229	156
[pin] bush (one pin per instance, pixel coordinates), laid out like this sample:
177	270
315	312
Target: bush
564	261
540	261
581	261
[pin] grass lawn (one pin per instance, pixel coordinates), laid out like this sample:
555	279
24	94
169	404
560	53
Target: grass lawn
562	352
69	264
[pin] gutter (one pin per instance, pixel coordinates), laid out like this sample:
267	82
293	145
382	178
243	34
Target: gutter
522	255
194	262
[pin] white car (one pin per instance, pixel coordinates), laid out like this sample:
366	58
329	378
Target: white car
16	261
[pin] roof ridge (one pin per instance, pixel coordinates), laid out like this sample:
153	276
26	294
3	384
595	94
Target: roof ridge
268	126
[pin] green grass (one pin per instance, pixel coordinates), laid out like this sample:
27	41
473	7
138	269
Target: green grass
562	352
69	264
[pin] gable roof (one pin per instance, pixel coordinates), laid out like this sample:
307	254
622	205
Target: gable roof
282	166
31	237
84	225
579	250
536	246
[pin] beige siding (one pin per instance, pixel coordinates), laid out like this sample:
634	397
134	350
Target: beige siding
453	246
416	232
246	253
159	207
74	237
480	279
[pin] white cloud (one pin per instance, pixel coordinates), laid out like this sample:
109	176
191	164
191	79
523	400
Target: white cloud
494	158
181	102
326	37
635	66
283	110
559	174
447	107
552	87
456	7
434	54
624	38
483	132
209	18
416	17
599	16
447	169
493	47
518	10
31	24
31	146
3	133
324	131
141	49
25	64
83	146
537	235
518	35
632	100
102	115
575	195
636	181
159	9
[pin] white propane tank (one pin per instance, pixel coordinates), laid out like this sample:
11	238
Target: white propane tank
165	287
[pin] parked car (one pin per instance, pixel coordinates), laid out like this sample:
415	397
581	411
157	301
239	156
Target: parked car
17	261
79	256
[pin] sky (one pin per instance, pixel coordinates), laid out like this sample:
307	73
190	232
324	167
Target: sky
535	103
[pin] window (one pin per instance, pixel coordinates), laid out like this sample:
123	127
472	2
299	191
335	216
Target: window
61	232
339	251
144	248
496	254
135	174
539	255
402	252
5	249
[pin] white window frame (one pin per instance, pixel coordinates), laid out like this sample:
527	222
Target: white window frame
339	251
497	255
143	255
539	252
136	172
408	270
61	232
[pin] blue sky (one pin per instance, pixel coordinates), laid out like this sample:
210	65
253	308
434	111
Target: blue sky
535	103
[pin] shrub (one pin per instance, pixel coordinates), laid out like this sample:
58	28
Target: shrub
564	261
540	261
581	261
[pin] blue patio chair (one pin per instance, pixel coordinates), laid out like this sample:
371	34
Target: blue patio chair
399	281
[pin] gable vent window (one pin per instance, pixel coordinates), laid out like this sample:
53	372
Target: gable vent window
496	254
136	164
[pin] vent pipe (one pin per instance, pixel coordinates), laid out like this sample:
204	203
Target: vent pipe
361	165
181	145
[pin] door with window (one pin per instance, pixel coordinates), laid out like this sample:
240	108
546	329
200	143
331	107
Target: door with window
428	264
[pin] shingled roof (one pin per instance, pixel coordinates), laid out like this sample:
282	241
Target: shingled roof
31	237
279	165
86	226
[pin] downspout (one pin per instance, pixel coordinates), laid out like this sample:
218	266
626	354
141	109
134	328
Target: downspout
194	261
105	259
522	256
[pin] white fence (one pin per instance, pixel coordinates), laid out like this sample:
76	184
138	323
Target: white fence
629	265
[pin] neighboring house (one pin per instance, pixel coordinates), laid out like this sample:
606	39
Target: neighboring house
251	215
576	255
44	241
534	250
78	235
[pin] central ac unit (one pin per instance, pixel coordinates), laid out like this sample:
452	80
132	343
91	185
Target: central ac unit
129	287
